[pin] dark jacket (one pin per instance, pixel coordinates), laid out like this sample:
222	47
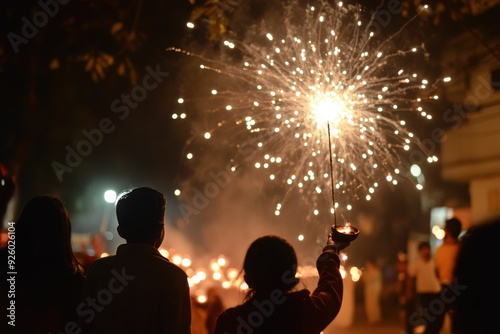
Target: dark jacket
135	291
300	312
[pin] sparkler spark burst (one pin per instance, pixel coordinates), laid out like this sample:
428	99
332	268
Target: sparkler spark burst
328	66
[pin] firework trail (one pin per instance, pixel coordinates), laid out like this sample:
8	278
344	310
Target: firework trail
326	66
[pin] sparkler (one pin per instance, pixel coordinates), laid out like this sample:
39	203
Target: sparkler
328	68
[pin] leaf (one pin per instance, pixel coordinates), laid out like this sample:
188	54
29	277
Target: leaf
108	58
116	27
89	65
197	13
100	71
222	29
133	73
121	69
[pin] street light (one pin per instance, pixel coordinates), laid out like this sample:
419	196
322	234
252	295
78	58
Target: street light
416	171
110	196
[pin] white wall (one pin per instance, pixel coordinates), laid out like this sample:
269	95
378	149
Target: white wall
485	198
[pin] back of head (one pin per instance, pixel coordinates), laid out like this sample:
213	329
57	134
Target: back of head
270	263
424	245
44	235
453	226
140	213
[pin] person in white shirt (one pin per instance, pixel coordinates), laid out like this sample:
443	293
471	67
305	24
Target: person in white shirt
424	282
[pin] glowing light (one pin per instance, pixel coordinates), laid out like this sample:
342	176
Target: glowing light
186	262
300	237
201	275
110	196
207	135
438	232
177	259
177	192
342	272
355	274
415	170
190	25
328	110
164	252
232	273
222	261
215	266
180	100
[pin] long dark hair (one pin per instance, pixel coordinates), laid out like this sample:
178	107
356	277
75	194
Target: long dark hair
43	238
270	263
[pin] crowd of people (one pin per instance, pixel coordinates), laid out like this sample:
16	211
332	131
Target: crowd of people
138	290
454	282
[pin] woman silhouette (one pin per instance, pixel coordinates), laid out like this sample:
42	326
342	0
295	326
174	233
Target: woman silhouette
271	306
49	280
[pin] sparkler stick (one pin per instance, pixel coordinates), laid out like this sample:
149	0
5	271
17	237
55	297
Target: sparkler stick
347	233
331	176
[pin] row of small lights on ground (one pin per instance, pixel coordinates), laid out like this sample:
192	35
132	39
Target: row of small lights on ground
228	278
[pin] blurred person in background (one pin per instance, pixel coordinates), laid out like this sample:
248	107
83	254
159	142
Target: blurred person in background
372	283
270	306
406	306
214	307
423	281
446	258
49	279
198	317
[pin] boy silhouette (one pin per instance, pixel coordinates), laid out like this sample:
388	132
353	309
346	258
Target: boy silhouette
137	290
